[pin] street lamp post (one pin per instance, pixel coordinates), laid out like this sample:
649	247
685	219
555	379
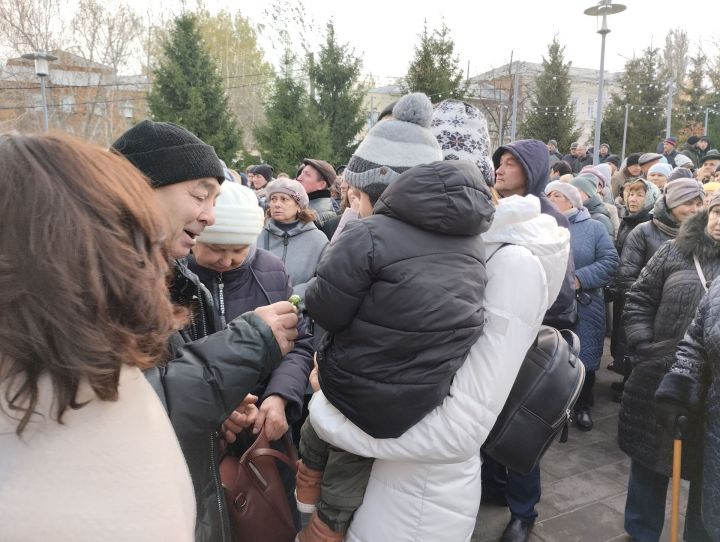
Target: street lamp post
604	8
42	70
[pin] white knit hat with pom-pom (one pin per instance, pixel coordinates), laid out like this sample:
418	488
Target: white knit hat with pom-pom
238	218
395	145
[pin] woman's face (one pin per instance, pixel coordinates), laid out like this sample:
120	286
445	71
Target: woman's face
713	225
560	201
220	258
258	181
634	196
658	179
343	187
634	170
686	210
283	208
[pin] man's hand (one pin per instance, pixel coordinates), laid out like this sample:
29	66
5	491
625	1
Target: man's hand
271	418
242	417
282	319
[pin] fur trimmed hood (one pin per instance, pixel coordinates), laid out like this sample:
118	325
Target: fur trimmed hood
693	238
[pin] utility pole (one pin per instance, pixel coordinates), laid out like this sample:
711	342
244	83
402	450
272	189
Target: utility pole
707	110
627	109
501	126
513	122
668	122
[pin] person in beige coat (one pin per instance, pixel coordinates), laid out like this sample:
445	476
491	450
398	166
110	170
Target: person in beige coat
87	451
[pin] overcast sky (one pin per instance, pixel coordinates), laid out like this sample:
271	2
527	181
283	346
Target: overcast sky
384	32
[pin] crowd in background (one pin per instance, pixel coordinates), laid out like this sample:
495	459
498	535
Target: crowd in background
146	325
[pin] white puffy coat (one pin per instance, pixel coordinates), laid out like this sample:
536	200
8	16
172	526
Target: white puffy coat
425	485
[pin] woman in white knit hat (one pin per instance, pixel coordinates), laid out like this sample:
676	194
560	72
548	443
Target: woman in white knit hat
242	277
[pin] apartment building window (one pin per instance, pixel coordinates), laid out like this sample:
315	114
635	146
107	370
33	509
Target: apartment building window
591	108
68	104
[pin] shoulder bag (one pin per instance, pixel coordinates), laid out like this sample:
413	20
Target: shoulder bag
257	504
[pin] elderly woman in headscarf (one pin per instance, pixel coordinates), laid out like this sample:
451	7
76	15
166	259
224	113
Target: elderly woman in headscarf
639	196
595	260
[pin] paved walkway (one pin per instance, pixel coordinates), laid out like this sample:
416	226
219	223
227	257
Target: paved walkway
584	483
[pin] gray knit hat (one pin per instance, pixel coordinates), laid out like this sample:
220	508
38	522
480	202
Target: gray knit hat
680	191
462	132
395	145
288	187
566	189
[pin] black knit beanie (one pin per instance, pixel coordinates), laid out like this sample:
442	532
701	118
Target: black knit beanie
167	153
633	159
265	170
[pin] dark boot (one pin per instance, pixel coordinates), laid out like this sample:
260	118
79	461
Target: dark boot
583	420
518	530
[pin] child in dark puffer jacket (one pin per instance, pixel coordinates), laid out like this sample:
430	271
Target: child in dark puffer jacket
400	295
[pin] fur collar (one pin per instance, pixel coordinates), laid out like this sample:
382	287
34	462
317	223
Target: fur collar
693	239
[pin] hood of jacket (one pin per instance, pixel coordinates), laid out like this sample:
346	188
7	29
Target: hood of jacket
578	215
533	157
518	221
596	206
693	238
297	229
448	197
661	213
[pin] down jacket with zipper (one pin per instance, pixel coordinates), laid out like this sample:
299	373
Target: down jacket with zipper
426	484
659	308
400	294
262	280
208	375
299	248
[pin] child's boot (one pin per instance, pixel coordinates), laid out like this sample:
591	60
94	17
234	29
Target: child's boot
307	488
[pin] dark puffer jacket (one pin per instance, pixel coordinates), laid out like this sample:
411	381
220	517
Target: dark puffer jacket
618	342
598	211
643	242
533	157
698	359
659	308
259	281
401	295
206	378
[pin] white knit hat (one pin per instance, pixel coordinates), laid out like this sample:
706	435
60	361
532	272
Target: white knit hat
238	218
395	145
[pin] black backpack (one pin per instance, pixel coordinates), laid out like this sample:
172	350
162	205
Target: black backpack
540	402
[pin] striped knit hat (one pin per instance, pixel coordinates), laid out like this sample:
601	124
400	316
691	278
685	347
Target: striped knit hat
395	145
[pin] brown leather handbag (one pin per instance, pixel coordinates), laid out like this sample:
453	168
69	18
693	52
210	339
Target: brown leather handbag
254	492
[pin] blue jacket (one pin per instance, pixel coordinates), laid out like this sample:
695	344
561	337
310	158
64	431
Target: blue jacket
533	157
596	261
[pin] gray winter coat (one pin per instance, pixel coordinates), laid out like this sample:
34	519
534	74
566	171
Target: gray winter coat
658	310
401	295
299	249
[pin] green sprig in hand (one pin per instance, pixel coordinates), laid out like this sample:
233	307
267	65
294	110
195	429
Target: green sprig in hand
295	300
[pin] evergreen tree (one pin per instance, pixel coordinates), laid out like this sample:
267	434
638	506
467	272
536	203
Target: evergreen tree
691	98
435	68
293	130
188	90
552	114
645	94
338	95
232	40
713	102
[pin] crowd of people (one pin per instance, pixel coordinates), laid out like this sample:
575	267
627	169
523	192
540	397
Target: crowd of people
146	329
